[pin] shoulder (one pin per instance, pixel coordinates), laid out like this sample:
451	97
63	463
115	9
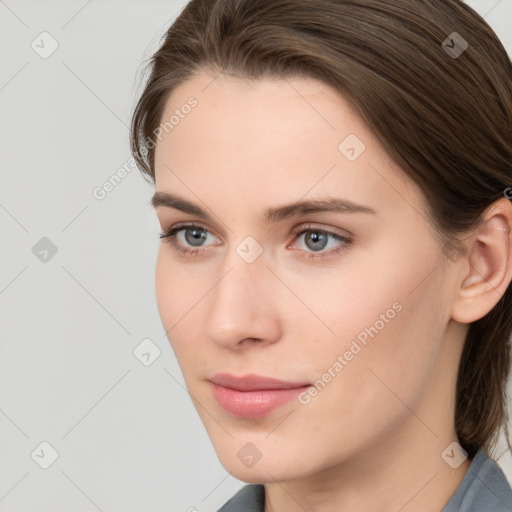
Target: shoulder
250	498
484	488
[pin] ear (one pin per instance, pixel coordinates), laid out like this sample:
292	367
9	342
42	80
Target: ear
486	269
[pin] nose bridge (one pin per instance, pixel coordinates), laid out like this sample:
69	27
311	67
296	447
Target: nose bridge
243	305
245	270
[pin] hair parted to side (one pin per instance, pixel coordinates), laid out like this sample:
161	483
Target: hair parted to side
447	122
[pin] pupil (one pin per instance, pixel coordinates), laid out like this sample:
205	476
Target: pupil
195	236
318	240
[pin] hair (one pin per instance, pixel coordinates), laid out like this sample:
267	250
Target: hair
445	119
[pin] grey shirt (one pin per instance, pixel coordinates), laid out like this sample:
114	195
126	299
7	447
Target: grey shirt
484	488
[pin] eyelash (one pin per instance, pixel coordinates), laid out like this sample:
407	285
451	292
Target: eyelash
170	238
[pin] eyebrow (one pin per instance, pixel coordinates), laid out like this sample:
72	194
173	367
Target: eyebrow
271	215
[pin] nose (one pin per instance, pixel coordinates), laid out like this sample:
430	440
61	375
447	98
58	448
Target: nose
244	306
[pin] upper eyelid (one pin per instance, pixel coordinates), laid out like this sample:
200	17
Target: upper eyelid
184	225
309	226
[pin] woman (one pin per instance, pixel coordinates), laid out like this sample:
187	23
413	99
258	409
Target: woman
332	179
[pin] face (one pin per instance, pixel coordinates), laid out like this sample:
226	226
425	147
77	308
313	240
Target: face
344	299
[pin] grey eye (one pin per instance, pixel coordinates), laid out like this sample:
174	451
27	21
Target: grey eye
315	240
195	236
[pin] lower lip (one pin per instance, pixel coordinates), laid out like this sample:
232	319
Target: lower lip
253	404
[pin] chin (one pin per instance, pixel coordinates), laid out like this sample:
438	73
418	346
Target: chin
274	467
259	475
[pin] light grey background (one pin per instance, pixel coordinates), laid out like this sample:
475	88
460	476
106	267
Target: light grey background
127	435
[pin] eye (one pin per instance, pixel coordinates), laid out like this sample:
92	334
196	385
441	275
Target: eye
184	238
320	243
312	241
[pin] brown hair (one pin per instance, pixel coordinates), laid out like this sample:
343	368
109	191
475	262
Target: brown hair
445	118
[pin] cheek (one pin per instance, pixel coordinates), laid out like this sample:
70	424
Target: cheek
371	290
389	320
177	292
178	286
166	290
375	390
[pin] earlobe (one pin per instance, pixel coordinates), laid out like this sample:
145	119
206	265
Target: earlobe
488	265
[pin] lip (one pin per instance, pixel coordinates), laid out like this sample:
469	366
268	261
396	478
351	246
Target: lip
253	396
253	382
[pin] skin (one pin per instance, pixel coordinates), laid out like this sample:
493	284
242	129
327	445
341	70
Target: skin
372	439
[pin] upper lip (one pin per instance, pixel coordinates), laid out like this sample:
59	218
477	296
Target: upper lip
252	382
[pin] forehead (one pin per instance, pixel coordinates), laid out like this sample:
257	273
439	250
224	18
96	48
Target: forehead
207	86
274	139
252	112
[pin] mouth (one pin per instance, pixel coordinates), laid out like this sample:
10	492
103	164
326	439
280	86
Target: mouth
253	396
